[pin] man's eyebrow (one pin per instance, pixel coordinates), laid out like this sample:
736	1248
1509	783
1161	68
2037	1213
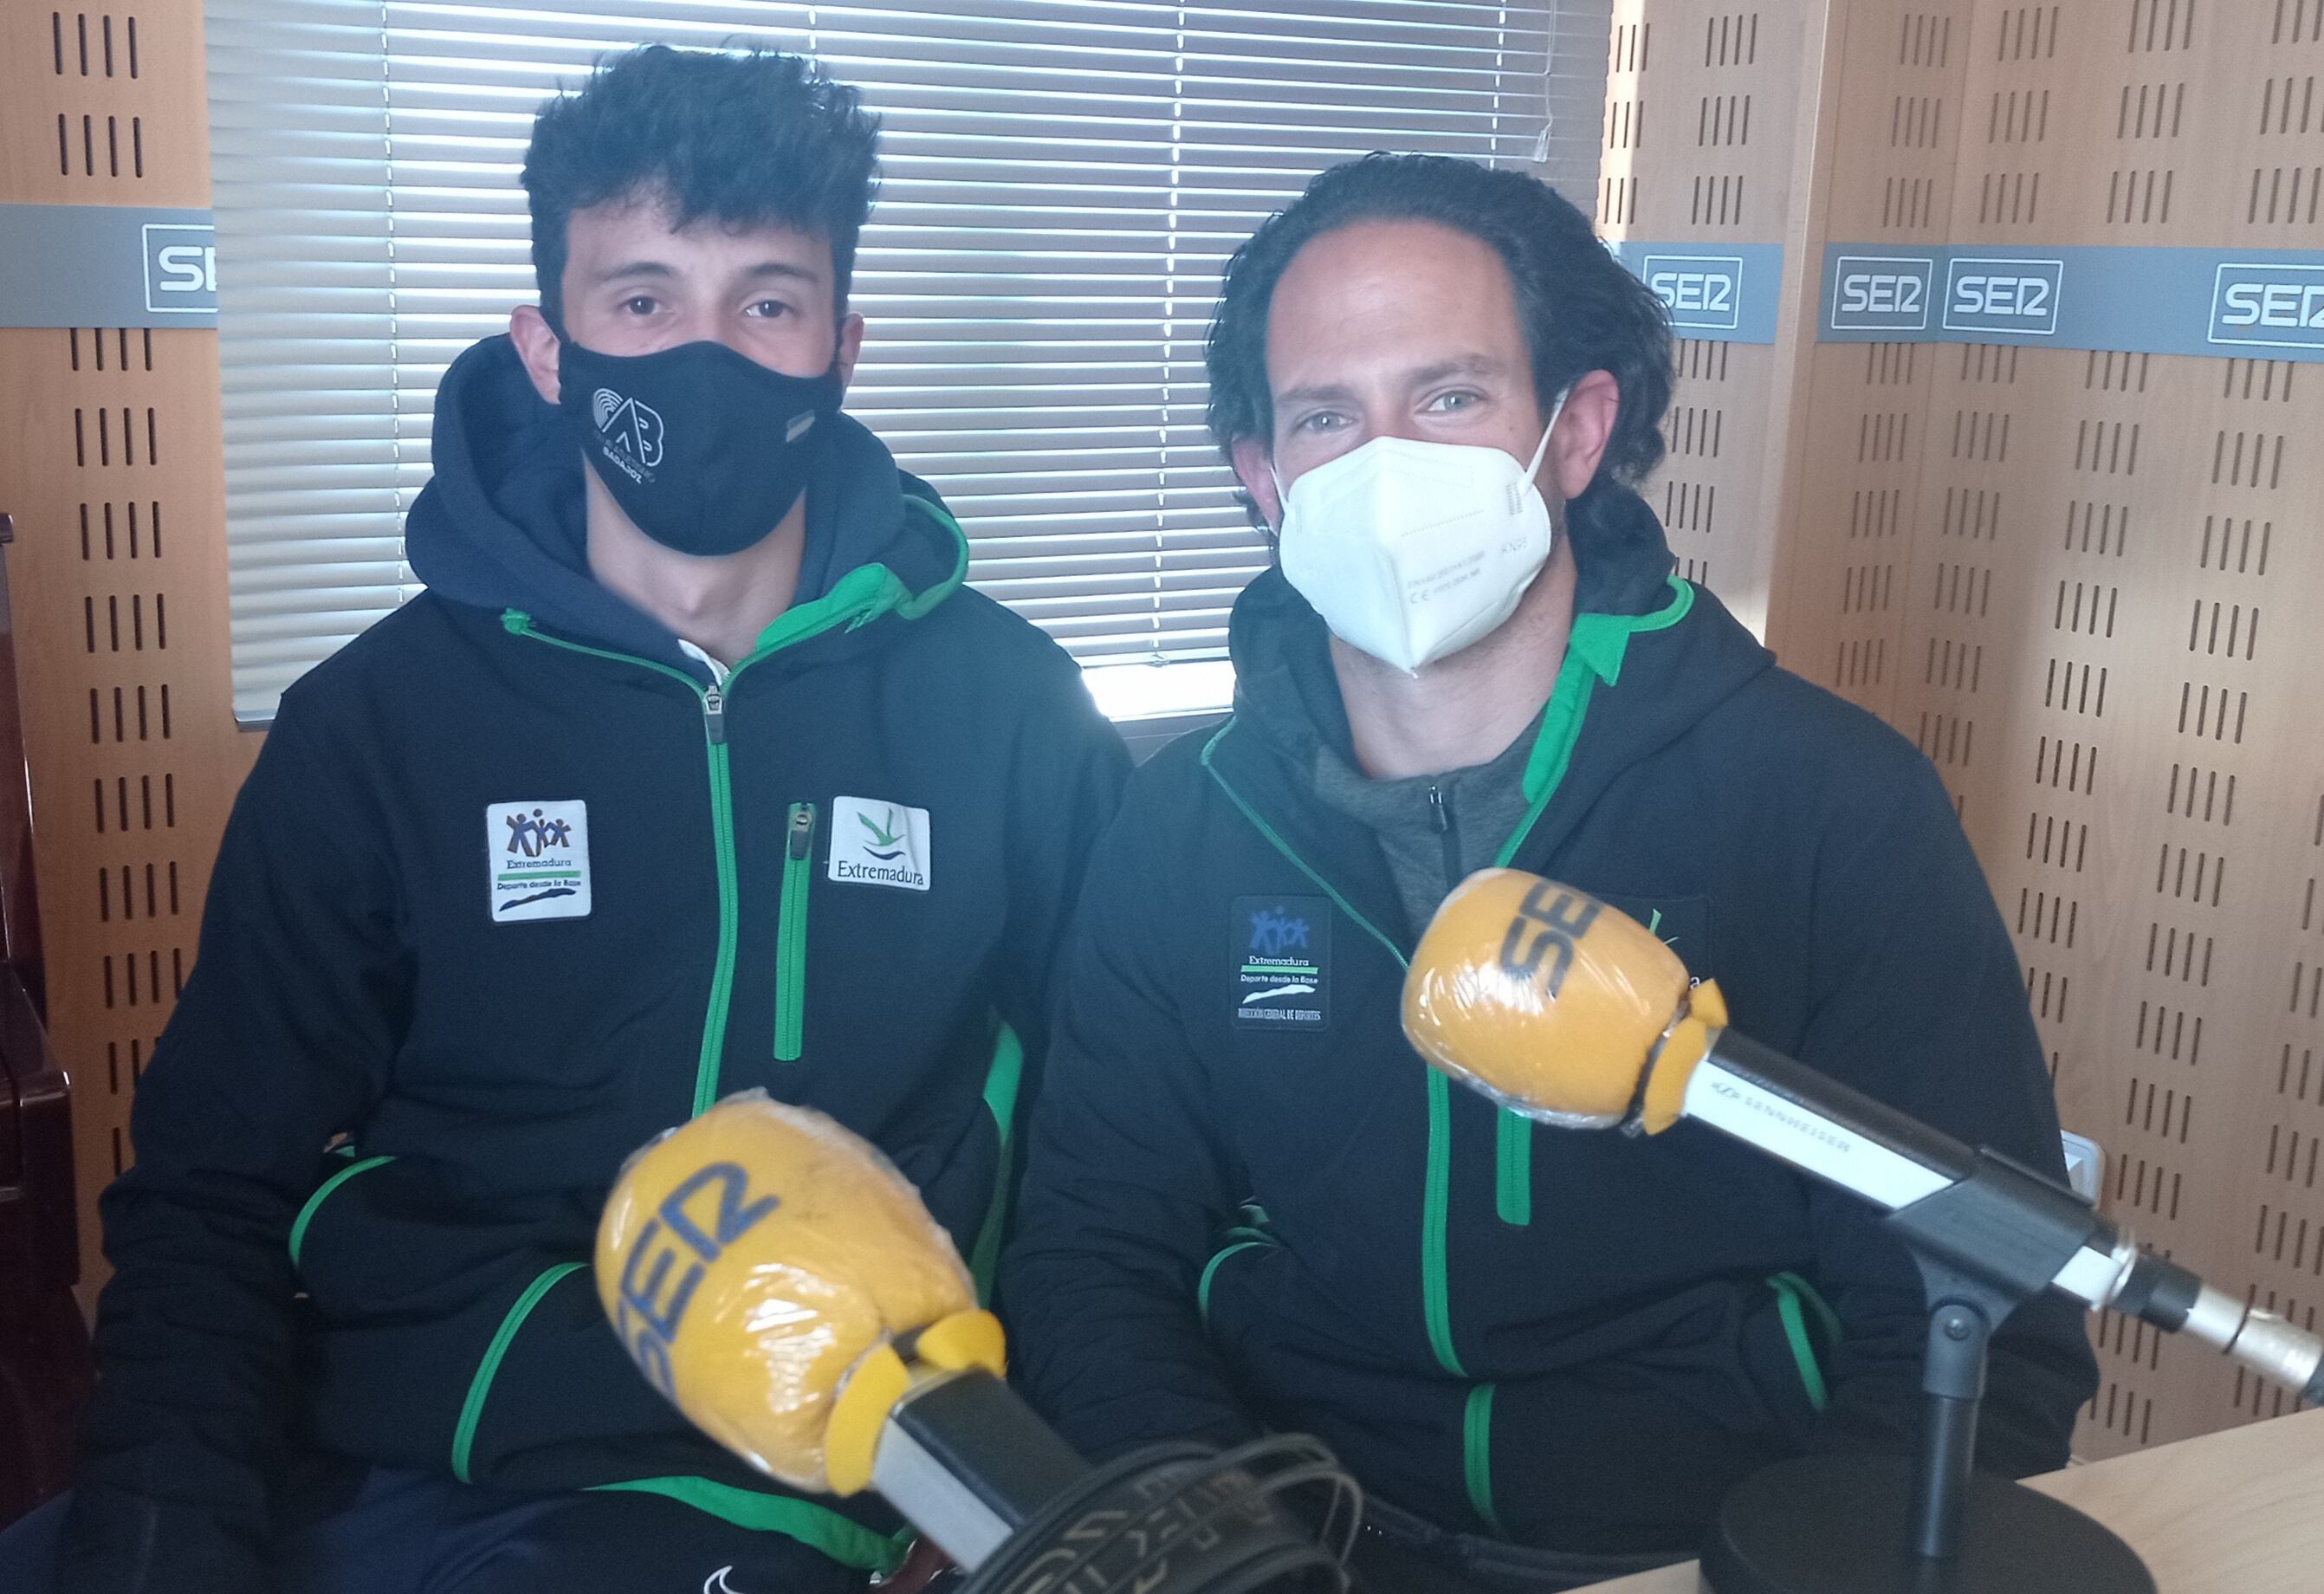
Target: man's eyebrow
1437	371
664	271
1315	393
783	268
1460	366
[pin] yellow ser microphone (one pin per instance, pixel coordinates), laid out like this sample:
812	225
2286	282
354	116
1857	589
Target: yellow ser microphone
775	1277
1567	1009
1556	1005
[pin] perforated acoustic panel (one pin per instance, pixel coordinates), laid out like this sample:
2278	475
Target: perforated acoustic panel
109	463
2082	583
1701	130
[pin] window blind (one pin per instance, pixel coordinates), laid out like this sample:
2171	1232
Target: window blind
1063	182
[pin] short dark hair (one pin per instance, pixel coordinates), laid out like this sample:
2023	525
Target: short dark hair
1580	311
745	138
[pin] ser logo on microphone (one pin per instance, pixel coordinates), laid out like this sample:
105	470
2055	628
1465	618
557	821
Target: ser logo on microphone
1548	923
693	1227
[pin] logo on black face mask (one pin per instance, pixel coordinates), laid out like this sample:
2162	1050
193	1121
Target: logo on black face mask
629	433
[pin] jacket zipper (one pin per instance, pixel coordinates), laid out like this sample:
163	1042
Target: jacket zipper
1512	1132
859	598
730	899
322	1193
1436	1185
1440	815
722	829
791	936
1005	1078
1436	1189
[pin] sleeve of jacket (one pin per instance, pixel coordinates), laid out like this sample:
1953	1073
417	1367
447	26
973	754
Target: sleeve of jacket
282	1038
1070	764
1918	1000
1128	1180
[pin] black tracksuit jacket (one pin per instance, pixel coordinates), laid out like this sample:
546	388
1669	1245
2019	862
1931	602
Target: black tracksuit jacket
1249	1205
401	948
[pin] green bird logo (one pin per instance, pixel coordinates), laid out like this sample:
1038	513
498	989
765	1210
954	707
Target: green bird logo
888	838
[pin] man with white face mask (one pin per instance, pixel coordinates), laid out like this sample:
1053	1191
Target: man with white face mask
1249	1205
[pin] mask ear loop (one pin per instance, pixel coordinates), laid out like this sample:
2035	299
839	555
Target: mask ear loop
1541	449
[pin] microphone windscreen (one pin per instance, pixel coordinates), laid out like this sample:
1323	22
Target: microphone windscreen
750	1258
1541	996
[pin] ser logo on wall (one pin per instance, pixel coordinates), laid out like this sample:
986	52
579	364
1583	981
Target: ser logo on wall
180	269
1703	292
1882	293
2019	297
2269	306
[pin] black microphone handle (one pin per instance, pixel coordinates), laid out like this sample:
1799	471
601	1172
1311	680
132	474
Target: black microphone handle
970	1463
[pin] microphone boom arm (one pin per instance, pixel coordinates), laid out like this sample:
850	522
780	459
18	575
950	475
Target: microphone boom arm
1898	1163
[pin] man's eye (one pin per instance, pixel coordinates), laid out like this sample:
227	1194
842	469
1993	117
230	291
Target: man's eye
1323	421
641	305
1444	403
768	309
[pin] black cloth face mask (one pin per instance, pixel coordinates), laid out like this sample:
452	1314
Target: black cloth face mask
704	449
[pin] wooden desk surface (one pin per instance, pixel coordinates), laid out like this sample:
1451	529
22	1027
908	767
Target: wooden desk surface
2238	1512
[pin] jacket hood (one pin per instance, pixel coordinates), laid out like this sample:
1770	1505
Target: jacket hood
500	525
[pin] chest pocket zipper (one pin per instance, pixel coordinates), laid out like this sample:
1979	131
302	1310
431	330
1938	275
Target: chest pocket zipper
790	934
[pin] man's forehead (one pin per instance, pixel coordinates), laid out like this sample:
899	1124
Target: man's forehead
643	227
1408	256
1391	293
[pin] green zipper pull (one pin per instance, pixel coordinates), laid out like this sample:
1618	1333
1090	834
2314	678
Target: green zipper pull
714	714
802	829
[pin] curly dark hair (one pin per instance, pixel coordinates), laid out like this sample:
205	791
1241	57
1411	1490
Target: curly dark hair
1581	311
746	138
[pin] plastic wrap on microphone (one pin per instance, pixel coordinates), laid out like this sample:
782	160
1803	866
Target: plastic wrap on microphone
1542	997
751	1258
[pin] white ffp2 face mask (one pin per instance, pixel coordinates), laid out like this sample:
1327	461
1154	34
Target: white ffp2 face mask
1411	551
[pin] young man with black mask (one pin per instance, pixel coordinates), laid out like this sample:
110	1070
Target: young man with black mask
1544	1354
634	808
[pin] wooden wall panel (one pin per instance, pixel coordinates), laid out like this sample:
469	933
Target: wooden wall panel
2080	581
2135	771
1894	78
103	107
109	461
1701	145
